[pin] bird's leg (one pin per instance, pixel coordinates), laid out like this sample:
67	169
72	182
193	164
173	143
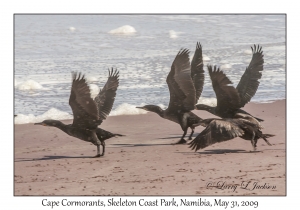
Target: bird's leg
255	142
98	151
103	146
252	141
182	141
190	138
97	143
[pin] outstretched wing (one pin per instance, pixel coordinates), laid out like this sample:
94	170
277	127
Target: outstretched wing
227	96
197	72
106	97
249	83
84	109
182	90
217	130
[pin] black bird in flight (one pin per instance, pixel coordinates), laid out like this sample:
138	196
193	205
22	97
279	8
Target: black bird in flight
230	100
89	113
185	82
219	130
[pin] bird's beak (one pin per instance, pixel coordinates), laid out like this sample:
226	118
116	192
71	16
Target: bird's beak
139	107
39	124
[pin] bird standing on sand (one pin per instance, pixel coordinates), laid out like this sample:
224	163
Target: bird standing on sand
218	130
89	113
185	82
230	100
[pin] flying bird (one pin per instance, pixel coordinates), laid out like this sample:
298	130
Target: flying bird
89	113
219	130
185	82
230	100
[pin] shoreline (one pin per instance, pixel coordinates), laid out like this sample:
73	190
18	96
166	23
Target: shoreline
144	161
67	120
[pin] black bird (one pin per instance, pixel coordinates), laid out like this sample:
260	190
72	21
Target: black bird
185	82
218	130
89	113
230	100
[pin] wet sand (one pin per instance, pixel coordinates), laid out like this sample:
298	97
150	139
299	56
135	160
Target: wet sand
144	162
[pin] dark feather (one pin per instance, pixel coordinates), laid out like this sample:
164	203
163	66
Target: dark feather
106	97
249	83
227	96
217	130
181	82
84	109
197	72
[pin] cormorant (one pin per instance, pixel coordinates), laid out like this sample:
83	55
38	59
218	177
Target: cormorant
89	113
218	130
230	100
185	82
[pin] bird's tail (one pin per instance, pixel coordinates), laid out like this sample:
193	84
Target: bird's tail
265	136
259	120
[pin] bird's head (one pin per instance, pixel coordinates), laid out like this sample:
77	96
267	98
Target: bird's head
151	108
48	123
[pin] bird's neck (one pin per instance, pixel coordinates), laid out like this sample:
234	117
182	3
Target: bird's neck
60	125
157	110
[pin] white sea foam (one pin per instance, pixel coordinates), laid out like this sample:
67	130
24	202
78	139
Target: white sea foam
29	85
226	66
248	52
91	79
72	28
127	109
173	34
94	90
223	61
126	29
207	101
52	113
206	58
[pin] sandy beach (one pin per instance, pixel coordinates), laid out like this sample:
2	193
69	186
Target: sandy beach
144	162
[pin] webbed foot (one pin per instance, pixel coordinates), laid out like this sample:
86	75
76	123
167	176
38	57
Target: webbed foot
98	155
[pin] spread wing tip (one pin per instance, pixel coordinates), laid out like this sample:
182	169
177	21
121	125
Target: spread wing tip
113	72
193	145
76	75
214	68
183	51
256	49
198	46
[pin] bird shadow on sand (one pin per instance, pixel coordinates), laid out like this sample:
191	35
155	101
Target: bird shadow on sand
50	158
137	145
219	151
178	137
173	137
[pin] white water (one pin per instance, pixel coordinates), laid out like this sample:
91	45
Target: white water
51	114
55	114
49	47
29	85
127	29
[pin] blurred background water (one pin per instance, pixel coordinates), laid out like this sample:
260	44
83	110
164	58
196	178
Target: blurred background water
49	47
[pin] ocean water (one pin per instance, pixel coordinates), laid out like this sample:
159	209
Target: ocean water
142	47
